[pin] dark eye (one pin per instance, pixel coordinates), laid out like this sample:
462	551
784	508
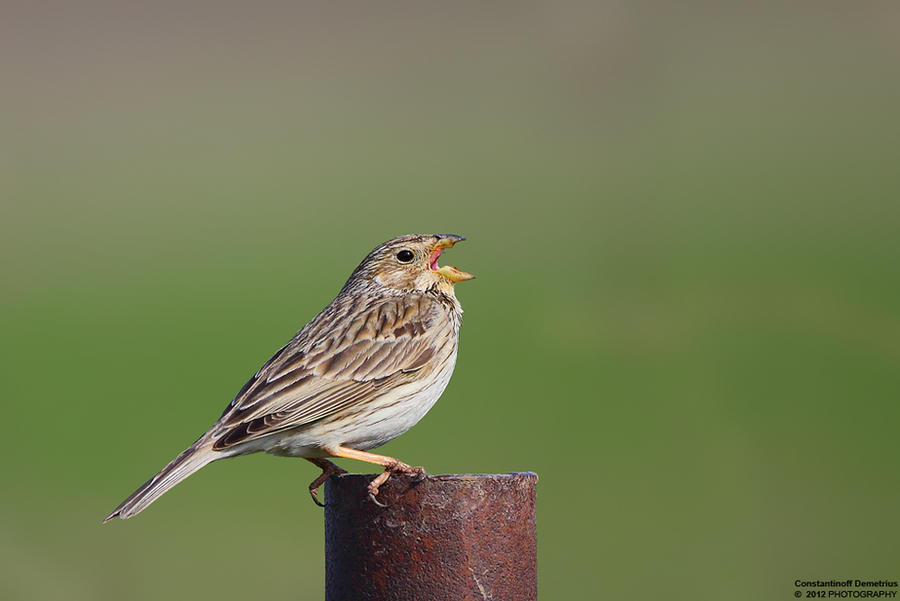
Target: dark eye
405	256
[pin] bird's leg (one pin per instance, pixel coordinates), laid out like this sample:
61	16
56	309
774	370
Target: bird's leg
328	469
390	465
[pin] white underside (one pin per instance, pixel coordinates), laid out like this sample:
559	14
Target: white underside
403	407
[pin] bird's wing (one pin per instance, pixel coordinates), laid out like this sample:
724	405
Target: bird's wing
351	353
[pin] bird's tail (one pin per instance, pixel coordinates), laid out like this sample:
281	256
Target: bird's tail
188	461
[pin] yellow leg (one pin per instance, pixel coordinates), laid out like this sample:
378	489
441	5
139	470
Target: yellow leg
390	465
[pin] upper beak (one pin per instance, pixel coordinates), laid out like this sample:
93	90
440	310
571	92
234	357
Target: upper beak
448	271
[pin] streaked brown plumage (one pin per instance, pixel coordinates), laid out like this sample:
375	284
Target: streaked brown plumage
362	372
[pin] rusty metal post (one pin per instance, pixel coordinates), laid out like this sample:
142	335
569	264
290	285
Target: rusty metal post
453	537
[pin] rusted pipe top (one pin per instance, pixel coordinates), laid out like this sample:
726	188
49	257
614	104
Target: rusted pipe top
455	536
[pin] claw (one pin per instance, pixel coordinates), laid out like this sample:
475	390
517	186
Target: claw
314	493
373	487
328	469
376	501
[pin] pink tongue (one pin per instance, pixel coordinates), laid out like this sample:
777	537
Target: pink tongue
434	258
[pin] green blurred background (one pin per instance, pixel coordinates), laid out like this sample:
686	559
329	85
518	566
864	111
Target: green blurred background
683	219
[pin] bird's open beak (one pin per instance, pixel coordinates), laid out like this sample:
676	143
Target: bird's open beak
448	271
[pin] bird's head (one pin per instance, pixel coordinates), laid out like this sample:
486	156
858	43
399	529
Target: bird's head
410	263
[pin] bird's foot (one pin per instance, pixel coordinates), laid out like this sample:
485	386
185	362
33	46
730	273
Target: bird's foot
398	467
328	470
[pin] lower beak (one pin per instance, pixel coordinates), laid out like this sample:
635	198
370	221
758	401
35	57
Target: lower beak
453	274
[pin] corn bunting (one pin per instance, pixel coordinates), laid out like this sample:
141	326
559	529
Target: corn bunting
362	372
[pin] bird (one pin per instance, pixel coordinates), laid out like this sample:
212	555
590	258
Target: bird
363	371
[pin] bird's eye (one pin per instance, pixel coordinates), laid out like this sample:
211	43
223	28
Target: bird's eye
405	256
